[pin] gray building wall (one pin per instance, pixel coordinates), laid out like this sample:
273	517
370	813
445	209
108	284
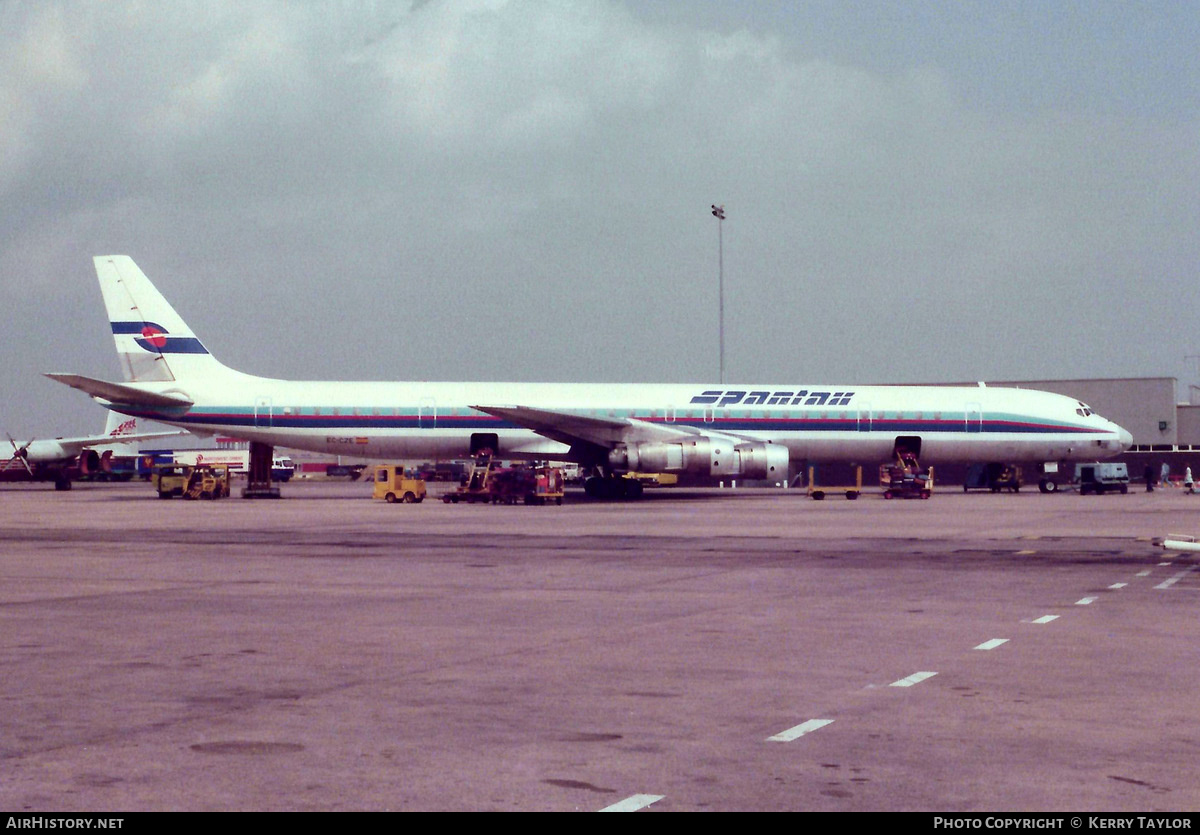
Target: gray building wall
1188	418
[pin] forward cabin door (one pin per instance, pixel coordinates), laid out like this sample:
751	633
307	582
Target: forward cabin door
864	417
263	412
974	418
427	413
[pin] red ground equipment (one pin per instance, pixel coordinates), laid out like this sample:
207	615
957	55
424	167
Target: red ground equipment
904	478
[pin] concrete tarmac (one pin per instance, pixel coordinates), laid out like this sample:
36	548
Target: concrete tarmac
697	650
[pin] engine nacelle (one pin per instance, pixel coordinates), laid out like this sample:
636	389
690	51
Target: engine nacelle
703	455
690	455
89	462
758	460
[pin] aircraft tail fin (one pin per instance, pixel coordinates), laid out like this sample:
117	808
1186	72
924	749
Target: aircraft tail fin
119	424
153	342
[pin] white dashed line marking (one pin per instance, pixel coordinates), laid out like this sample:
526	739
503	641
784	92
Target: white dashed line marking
992	644
1145	573
1118	585
1166	584
1085	601
915	678
800	730
632	804
1045	619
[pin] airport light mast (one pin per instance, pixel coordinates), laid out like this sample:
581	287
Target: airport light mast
719	213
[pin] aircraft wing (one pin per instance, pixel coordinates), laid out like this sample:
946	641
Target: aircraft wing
51	450
574	427
84	442
119	394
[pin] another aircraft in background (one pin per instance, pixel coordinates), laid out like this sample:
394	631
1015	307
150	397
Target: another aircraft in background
726	431
63	459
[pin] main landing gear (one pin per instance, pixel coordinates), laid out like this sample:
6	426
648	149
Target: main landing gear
258	477
611	487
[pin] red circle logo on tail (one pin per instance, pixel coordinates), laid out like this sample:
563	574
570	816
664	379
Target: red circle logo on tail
155	335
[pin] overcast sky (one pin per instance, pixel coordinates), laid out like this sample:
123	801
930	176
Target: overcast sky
488	190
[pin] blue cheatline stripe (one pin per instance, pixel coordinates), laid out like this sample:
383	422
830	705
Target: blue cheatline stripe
135	327
231	416
174	345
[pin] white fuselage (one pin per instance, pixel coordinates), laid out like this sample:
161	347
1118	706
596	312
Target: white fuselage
815	423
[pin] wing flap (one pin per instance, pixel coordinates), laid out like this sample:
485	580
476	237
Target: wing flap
573	427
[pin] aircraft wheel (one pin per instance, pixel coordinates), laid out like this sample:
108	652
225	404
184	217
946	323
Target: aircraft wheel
633	490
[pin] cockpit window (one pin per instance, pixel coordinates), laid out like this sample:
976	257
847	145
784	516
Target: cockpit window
1084	410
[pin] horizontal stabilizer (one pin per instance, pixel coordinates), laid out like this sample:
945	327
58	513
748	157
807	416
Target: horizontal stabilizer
119	394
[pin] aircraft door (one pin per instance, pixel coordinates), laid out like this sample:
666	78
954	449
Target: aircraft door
864	417
974	418
484	442
427	413
263	412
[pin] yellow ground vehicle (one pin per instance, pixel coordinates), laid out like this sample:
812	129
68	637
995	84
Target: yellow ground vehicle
208	481
392	485
479	482
654	479
903	478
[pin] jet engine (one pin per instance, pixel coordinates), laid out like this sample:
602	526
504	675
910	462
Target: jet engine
92	463
704	455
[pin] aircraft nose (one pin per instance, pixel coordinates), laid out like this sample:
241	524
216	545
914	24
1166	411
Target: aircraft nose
1124	438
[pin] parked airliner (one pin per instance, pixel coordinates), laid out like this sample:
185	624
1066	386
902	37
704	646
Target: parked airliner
62	459
726	431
